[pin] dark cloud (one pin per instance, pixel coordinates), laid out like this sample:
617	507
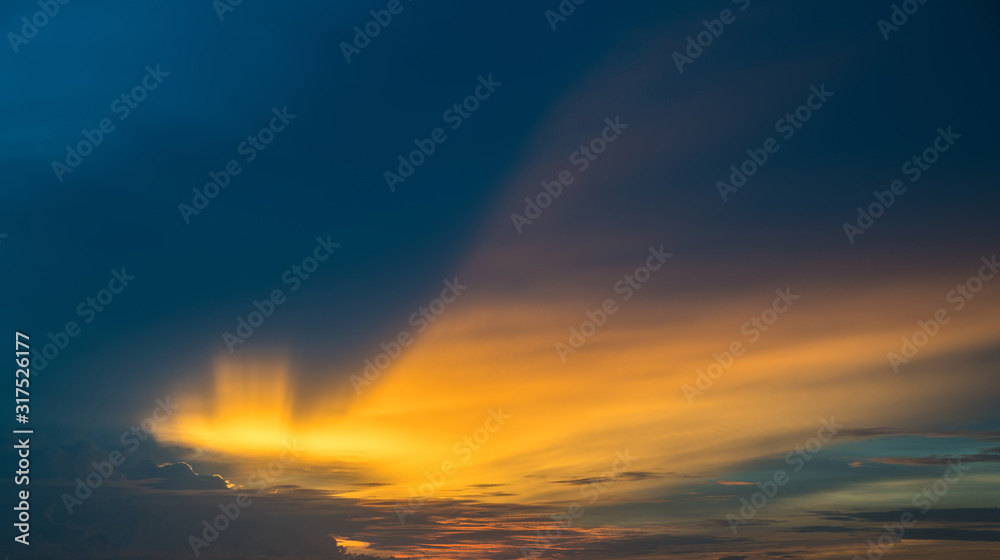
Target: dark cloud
936	515
952	535
628	476
991	455
174	476
869	432
638	546
489	495
125	519
760	522
820	529
983	435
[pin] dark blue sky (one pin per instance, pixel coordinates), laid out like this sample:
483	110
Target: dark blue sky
322	176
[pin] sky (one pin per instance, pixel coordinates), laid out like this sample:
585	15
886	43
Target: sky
698	280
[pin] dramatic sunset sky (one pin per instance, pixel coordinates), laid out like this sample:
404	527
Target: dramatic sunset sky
498	431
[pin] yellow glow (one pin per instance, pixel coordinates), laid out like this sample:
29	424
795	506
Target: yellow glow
249	413
621	391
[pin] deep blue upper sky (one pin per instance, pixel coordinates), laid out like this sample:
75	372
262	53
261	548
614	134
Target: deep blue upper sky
323	175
